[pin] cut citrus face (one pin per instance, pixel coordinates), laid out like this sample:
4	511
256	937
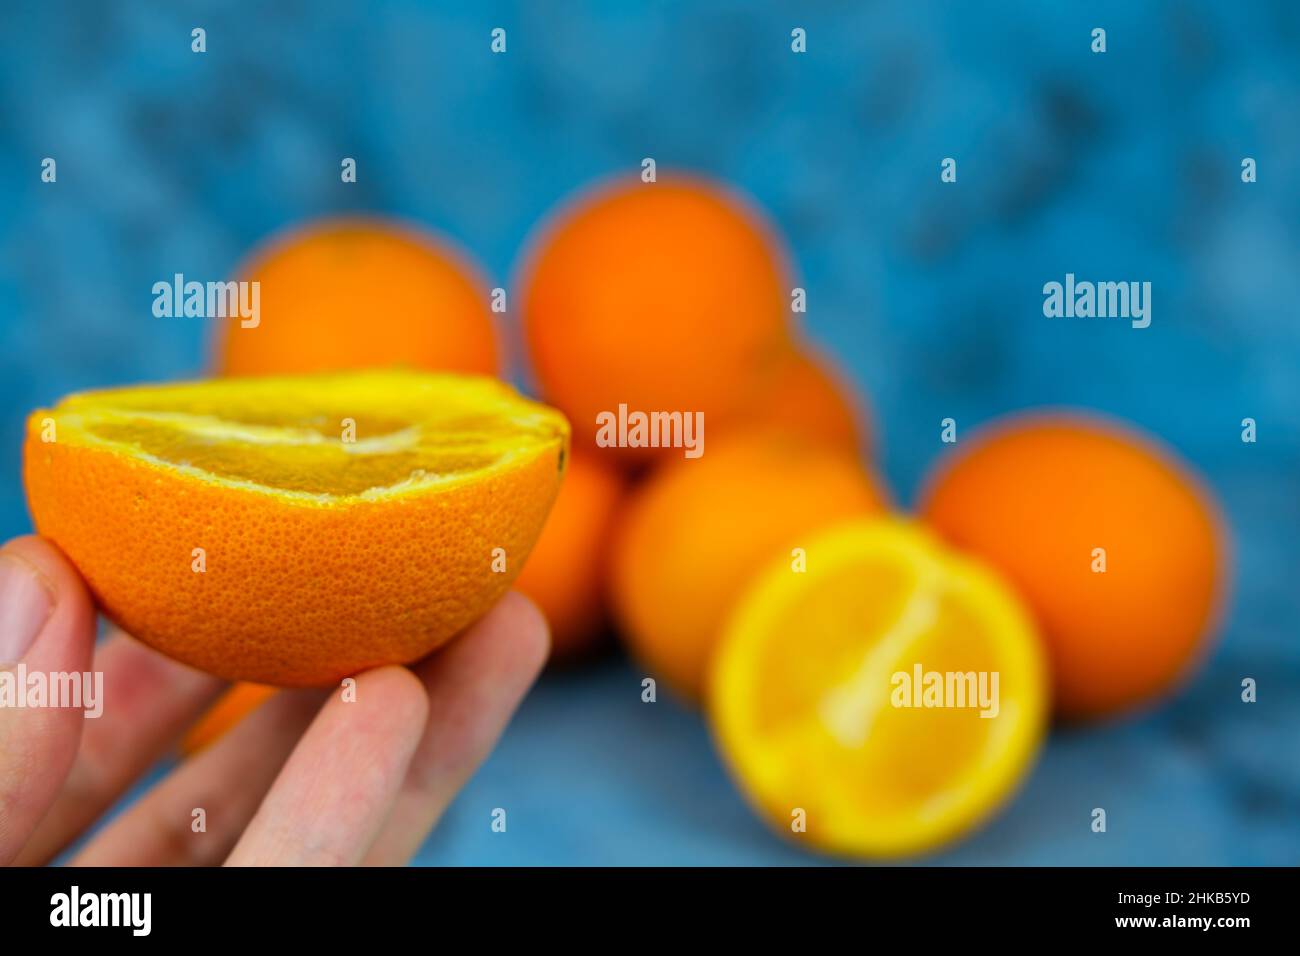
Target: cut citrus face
893	691
292	531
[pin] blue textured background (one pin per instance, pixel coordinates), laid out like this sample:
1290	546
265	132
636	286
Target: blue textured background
1116	166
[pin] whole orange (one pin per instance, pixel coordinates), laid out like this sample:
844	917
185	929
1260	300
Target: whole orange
812	397
1114	543
698	530
358	293
565	573
664	297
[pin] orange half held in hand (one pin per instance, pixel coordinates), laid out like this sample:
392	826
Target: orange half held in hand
293	531
885	700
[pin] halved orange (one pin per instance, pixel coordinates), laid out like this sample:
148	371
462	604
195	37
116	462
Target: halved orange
292	531
814	692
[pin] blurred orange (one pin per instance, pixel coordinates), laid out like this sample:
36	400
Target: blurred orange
697	530
565	572
667	296
810	396
356	293
1037	496
232	707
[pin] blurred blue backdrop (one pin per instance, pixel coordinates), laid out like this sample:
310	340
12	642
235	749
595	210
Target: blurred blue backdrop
1117	166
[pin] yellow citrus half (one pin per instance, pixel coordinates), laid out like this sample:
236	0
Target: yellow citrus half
292	531
856	701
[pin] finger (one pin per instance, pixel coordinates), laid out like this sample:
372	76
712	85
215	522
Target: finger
47	629
328	803
151	700
226	781
474	686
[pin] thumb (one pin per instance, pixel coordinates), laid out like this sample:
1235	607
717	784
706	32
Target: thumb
47	625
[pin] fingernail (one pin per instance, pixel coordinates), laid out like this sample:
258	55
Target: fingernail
25	603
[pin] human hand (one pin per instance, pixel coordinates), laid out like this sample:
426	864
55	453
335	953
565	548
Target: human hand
306	779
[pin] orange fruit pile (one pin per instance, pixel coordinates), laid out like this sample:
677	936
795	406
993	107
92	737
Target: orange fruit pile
675	296
292	531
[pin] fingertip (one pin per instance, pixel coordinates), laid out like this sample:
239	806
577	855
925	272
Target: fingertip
47	625
474	686
53	566
331	798
401	691
531	630
58	608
